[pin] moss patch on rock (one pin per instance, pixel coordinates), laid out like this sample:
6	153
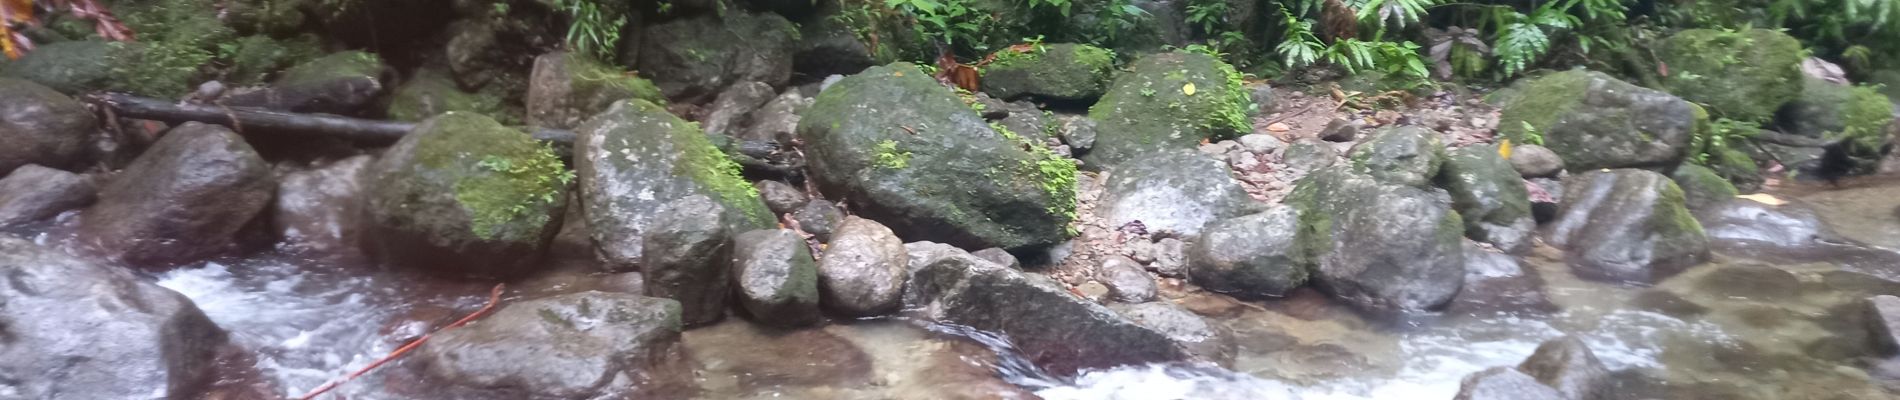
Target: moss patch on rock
1741	75
1169	100
329	67
515	177
1060	72
253	59
430	93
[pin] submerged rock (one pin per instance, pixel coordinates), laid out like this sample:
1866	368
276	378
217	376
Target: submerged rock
777	279
1567	365
903	150
1496	284
1503	383
1167	101
863	270
693	58
321	208
687	258
1178	192
183	199
1490	196
1594	121
41	126
1791	225
79	330
1204	338
566	89
1252	256
34	193
1743	75
1626	225
1406	155
463	195
1379	246
583	345
1053	72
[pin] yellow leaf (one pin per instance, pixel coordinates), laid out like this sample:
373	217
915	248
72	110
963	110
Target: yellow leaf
1188	89
1504	148
16	11
1764	198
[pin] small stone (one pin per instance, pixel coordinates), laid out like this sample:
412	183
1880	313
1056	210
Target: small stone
1339	130
1533	161
1170	257
1078	131
1126	281
1278	127
776	277
1140	250
863	271
818	218
1261	143
1567	365
781	197
1000	257
33	193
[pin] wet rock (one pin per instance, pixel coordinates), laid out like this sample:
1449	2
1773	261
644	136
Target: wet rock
582	345
1309	155
1204	338
35	193
1501	383
183	199
781	197
343	83
1150	108
463	195
1533	161
41	126
1170	257
1078	132
1490	196
767	362
687	258
728	111
1744	75
1496	284
1177	192
79	330
1884	322
777	279
1028	121
1626	225
1790	225
1053	328
1261	143
1126	281
819	218
1339	130
1051	72
1252	256
321	208
1830	112
1379	246
635	158
694	58
777	121
566	89
1567	365
1594	121
954	180
998	256
863	270
1701	187
432	92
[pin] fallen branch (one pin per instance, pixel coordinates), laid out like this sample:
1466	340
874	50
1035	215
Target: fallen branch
251	120
494	297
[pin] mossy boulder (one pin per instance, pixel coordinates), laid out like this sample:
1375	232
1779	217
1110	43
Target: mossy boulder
903	150
1742	76
463	195
1056	72
565	89
635	160
1626	225
1595	121
1407	155
185	198
1490	196
1379	246
69	67
156	69
1252	256
1738	168
1168	101
692	59
1858	115
344	82
775	277
432	92
41	126
1701	186
848	36
255	58
274	17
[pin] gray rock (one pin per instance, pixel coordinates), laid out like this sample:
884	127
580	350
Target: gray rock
34	193
1250	257
565	90
321	208
999	256
41	126
1261	143
694	58
1077	131
1792	225
687	258
80	330
1148	110
1626	225
728	111
1175	191
345	83
582	345
482	53
1170	257
1263	99
1496	284
1340	130
183	199
1379	246
1406	155
819	218
829	45
1490	196
1533	161
863	270
1884	322
954	180
776	276
1595	121
430	91
634	159
1204	338
1309	155
781	197
1701	187
1502	383
463	195
1567	365
1051	72
1126	281
777	121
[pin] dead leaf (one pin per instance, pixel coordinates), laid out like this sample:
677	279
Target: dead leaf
1188	89
1504	148
1278	127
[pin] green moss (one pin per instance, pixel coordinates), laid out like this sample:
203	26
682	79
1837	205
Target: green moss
514	176
339	64
1741	75
888	156
158	69
1055	174
1534	104
609	84
1865	116
1672	215
253	58
430	93
703	163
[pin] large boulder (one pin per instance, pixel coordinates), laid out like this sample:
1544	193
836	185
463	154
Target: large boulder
723	116
41	126
1626	225
340	83
636	158
185	198
692	59
1056	72
1249	257
1406	155
321	208
1595	121
464	195
1789	226
863	270
80	330
1491	197
1178	191
34	193
1379	246
686	257
1858	115
69	67
565	89
1701	186
1741	75
582	345
1568	365
776	277
1169	100
848	37
903	150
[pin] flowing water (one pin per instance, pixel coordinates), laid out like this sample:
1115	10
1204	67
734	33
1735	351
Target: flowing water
1752	324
